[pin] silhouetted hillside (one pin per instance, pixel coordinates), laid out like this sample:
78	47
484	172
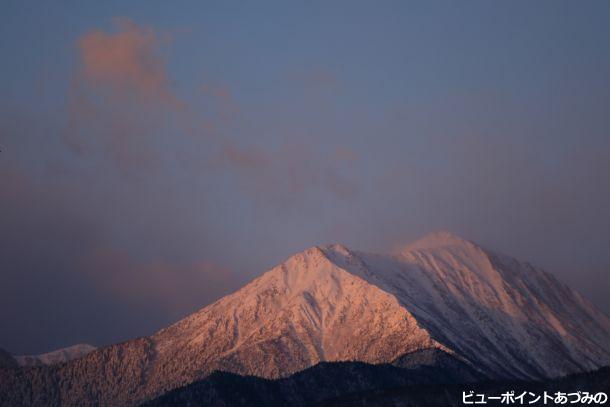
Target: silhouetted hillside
360	384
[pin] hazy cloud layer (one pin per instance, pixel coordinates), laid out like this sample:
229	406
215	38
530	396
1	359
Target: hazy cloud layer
151	174
287	176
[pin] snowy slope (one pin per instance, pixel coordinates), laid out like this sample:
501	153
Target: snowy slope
303	311
506	316
439	295
56	356
330	303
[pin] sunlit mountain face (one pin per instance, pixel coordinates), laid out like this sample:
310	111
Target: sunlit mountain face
442	307
236	203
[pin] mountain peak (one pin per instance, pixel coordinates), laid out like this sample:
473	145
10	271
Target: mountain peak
330	303
337	248
439	240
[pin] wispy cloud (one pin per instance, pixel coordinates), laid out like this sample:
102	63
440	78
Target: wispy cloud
292	173
126	61
121	96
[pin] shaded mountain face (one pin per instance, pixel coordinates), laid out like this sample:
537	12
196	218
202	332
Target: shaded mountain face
324	381
505	318
6	360
360	384
508	317
594	382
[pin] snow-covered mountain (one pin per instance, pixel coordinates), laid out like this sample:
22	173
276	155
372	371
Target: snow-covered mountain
505	316
56	356
330	303
496	314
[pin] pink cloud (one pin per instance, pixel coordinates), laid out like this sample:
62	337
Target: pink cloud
121	96
251	158
126	61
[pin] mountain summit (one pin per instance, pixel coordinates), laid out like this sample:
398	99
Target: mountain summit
493	313
437	240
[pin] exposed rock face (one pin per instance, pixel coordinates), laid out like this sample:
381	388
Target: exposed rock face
507	318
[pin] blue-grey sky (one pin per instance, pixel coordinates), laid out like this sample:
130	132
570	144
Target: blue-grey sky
158	155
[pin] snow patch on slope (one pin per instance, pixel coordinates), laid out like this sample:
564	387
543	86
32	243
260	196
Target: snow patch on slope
56	356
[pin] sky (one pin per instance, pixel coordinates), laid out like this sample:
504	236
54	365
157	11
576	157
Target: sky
156	156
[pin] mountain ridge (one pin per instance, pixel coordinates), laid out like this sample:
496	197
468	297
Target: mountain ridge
359	384
320	382
487	274
61	355
506	318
